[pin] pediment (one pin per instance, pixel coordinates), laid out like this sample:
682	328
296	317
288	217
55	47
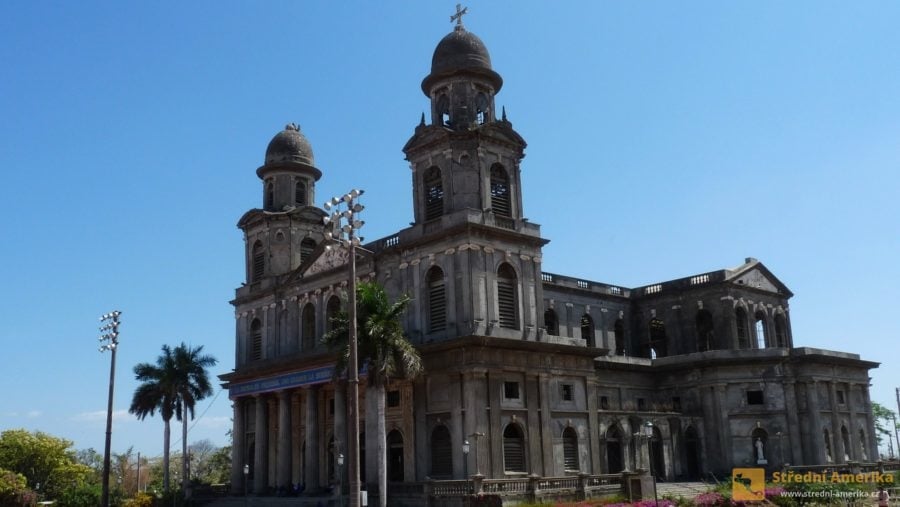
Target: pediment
755	275
327	260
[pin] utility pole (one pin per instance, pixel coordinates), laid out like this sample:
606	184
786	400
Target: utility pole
111	334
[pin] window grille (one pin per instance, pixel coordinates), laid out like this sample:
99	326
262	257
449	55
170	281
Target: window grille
434	194
331	312
255	340
500	198
259	262
511	390
570	450
441	453
437	301
743	334
306	248
506	297
566	392
300	193
513	449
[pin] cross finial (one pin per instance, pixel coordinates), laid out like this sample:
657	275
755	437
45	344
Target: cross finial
460	11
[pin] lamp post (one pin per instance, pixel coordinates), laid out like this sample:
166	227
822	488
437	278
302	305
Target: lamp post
465	450
346	235
246	474
648	432
110	330
340	462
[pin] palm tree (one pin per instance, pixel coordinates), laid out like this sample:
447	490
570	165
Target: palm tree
172	386
386	353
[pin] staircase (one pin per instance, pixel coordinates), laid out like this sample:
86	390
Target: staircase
687	490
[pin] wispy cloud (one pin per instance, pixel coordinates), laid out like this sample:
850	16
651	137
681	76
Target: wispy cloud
100	416
215	422
33	414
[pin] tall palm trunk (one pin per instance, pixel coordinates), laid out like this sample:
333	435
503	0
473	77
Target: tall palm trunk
167	438
185	463
376	442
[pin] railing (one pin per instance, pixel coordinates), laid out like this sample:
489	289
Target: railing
531	487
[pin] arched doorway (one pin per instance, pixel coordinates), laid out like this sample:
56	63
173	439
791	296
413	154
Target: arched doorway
657	461
614	463
395	456
692	453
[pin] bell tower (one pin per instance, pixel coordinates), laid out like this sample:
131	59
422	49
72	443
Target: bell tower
466	158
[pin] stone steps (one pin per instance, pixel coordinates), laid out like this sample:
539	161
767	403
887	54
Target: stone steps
681	489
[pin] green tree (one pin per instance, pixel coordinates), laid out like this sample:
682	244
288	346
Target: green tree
173	386
386	353
884	422
13	489
47	462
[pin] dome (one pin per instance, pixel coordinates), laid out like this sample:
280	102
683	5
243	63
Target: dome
289	145
461	51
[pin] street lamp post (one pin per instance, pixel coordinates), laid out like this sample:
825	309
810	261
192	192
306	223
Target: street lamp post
340	462
246	474
465	450
110	330
346	235
648	432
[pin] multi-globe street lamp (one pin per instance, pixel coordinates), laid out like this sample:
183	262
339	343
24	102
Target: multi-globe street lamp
648	432
110	330
344	231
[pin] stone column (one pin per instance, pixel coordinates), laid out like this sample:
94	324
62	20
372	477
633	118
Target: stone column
283	471
872	442
593	432
261	458
793	451
238	448
312	439
854	451
836	434
724	426
546	431
817	443
475	399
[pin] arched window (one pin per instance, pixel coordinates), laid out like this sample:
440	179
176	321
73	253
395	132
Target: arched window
845	439
256	345
705	332
269	199
481	108
513	449
395	456
434	193
443	110
300	193
614	461
657	338
760	321
780	330
258	264
437	300
307	246
587	329
331	311
308	329
500	194
864	455
743	335
619	332
570	450
551	322
441	453
507	297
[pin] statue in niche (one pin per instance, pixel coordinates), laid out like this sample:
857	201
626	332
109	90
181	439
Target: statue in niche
760	455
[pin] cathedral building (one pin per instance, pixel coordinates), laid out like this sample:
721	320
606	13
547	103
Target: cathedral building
542	373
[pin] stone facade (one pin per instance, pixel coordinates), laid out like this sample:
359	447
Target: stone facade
541	373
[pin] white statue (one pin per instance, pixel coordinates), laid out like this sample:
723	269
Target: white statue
760	457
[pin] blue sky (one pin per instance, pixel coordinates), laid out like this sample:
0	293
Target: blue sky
665	139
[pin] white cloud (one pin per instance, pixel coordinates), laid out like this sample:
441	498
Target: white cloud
215	422
33	413
100	416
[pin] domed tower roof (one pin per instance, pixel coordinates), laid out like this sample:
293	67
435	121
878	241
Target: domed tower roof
290	145
289	151
461	52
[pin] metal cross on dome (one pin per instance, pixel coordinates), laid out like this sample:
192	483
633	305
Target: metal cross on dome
460	11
